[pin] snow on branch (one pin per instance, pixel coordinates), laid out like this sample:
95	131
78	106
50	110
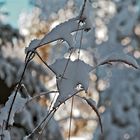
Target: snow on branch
120	57
63	31
77	72
17	107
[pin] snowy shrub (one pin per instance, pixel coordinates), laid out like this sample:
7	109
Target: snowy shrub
72	76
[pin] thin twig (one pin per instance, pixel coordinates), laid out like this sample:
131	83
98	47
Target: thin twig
52	102
40	124
83	8
80	44
44	62
66	65
28	58
25	91
80	17
72	104
77	118
51	112
118	60
95	110
41	94
43	128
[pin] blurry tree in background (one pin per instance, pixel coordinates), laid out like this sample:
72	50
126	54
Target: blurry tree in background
116	28
121	100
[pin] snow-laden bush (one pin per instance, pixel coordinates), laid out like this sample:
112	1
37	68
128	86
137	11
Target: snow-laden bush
72	77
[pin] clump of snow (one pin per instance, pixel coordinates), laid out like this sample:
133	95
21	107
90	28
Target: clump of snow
68	75
17	107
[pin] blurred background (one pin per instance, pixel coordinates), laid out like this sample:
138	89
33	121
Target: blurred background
115	88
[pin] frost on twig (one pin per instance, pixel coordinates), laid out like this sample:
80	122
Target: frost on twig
77	72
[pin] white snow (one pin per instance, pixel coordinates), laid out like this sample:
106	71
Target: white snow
69	76
17	107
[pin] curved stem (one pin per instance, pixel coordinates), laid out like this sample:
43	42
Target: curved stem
27	60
